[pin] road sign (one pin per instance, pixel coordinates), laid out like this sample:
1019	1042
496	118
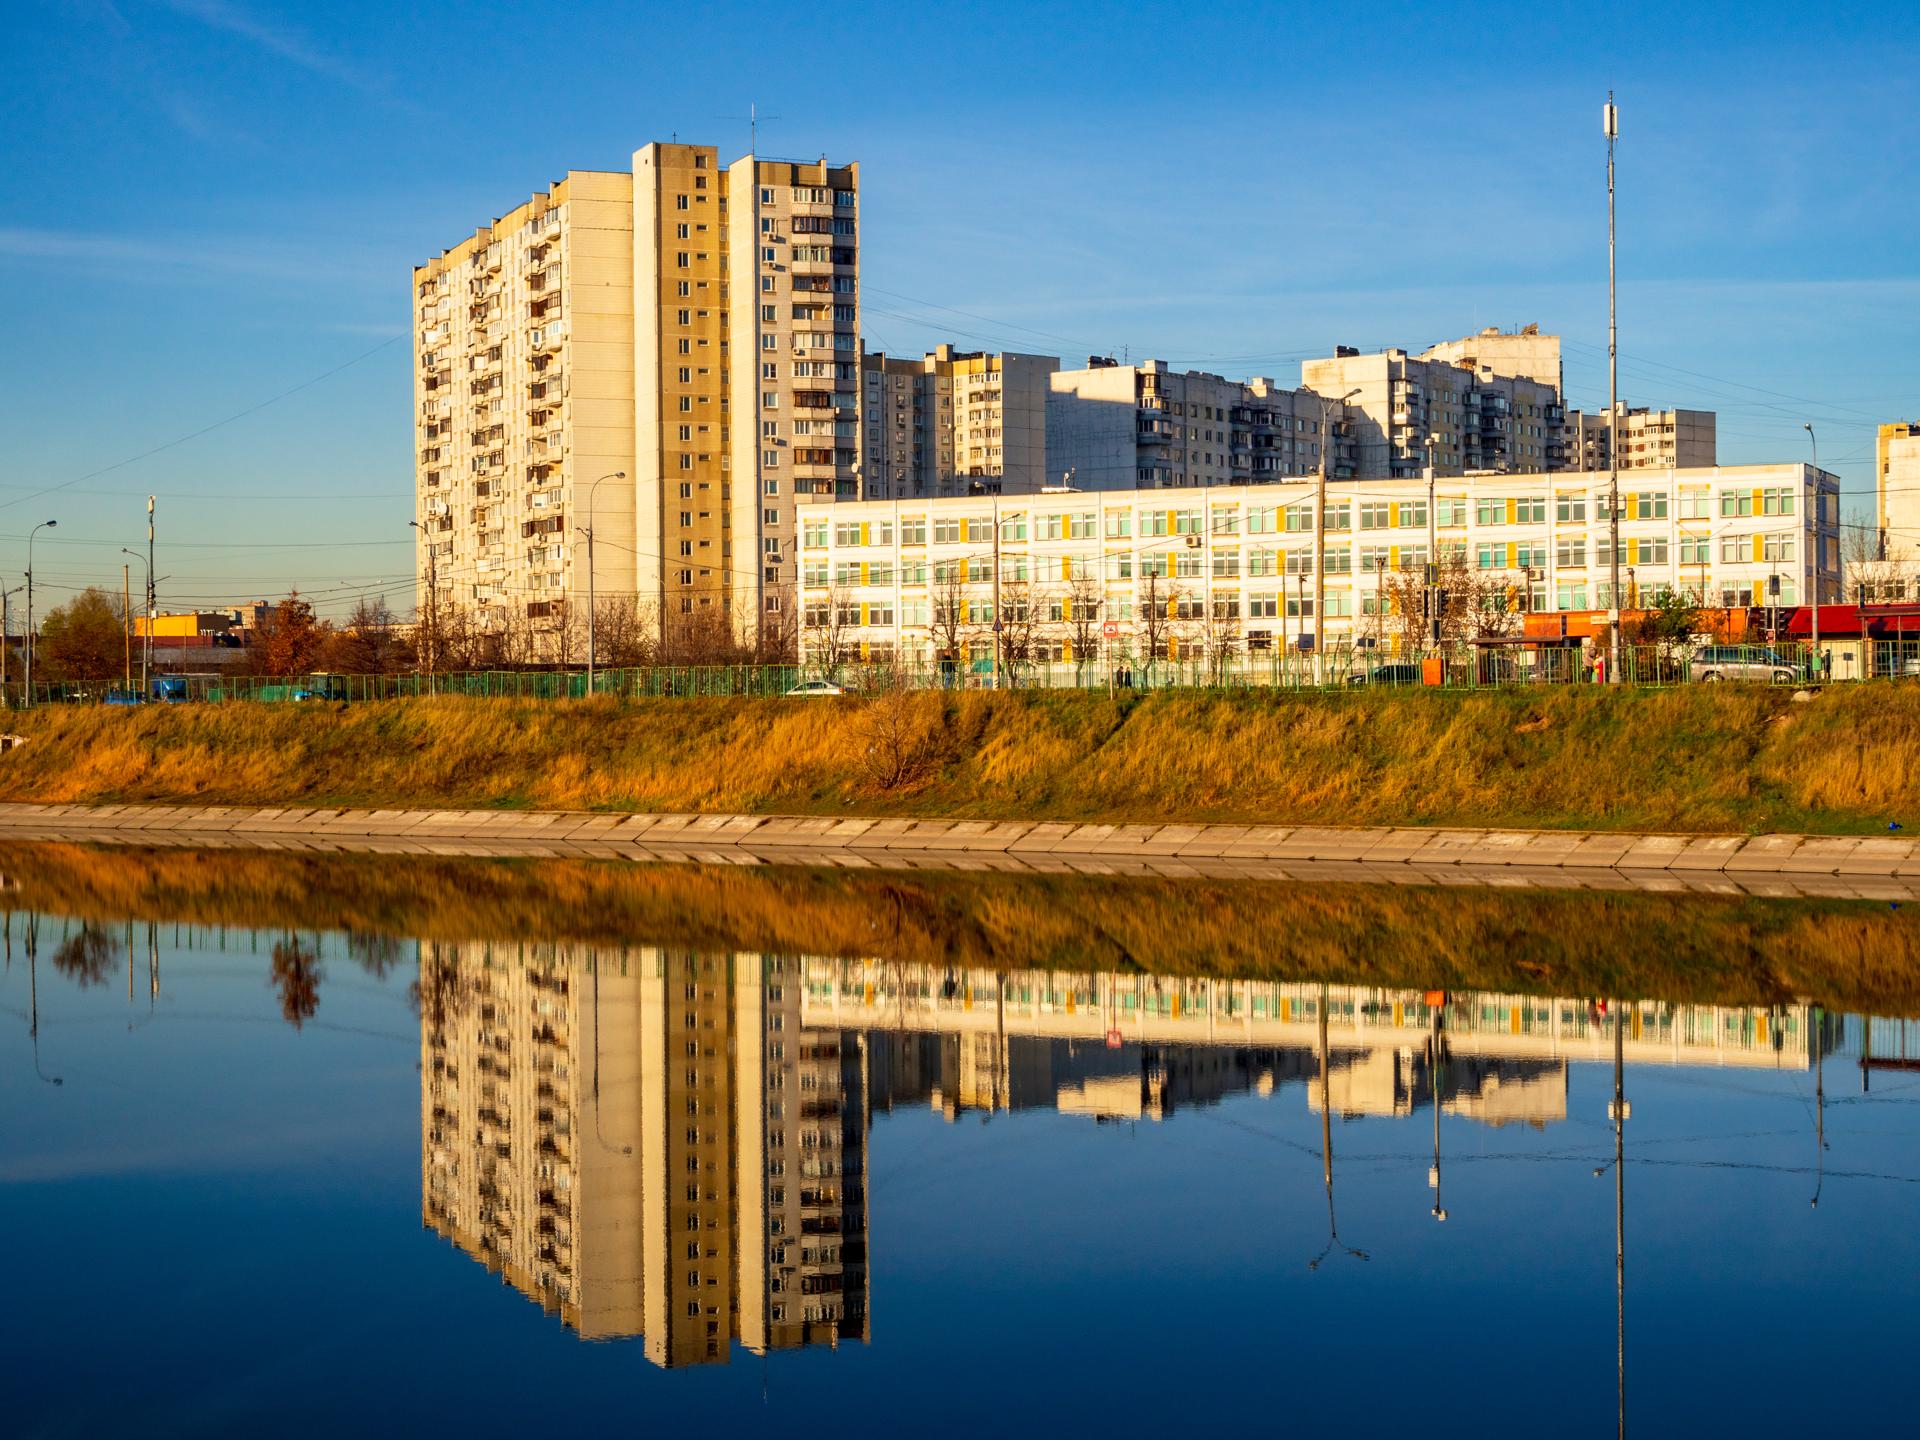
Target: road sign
1111	630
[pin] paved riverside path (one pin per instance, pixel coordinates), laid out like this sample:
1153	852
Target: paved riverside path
1864	867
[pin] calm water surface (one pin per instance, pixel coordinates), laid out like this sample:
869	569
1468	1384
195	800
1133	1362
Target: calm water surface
265	1178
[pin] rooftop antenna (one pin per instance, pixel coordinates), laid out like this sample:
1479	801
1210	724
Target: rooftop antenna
752	117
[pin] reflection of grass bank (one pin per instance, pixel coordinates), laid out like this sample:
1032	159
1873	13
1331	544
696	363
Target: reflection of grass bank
1848	955
1698	759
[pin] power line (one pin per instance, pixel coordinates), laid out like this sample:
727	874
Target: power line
207	429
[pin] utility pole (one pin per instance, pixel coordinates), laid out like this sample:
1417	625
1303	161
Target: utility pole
126	625
1611	119
1433	551
998	655
593	633
6	630
1819	548
146	654
1320	529
146	682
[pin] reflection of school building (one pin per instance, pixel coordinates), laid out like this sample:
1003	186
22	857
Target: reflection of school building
1139	1046
897	577
647	1144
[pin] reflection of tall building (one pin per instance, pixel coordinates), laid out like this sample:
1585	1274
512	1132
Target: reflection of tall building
647	1143
529	1119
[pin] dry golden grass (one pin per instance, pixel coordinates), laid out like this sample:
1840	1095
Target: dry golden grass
1699	759
1849	956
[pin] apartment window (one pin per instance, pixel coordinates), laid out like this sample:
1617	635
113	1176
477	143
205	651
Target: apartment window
1226	565
1080	526
766	284
770	459
1735	549
1299	517
766	195
769	429
1570	595
680	202
1569	509
686	375
1374	514
913	531
1490	557
769	313
1777	547
1777	502
769	370
680	259
1530	510
686	432
1653	552
1736	502
1571	554
1530	555
1260	520
1490	512
682	290
1452	510
1649	507
1186	522
1695	550
1413	514
686	404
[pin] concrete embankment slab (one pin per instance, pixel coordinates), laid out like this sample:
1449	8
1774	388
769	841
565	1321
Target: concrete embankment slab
1864	867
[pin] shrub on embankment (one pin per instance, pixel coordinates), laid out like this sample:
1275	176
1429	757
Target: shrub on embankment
1688	759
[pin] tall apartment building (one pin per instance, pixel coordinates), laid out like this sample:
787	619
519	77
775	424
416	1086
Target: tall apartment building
1149	427
648	1143
1896	482
954	421
1648	439
1492	402
523	395
668	356
1237	563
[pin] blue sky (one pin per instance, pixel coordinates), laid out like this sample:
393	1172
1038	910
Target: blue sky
211	203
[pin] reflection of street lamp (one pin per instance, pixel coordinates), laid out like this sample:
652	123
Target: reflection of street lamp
1818	1030
1618	1111
1326	1143
1435	1049
33	991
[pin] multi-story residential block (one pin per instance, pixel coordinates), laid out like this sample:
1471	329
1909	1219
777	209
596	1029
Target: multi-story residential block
954	422
668	357
1896	481
1149	427
927	581
1491	402
523	394
1649	439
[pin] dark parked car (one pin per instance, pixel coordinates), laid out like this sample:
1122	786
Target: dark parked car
1399	673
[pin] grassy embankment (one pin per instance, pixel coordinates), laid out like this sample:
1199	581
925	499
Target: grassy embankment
1847	955
1705	758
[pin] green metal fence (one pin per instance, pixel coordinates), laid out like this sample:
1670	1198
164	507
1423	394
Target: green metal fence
1457	668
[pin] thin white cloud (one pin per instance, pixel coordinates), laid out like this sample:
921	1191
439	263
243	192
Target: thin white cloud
182	255
288	45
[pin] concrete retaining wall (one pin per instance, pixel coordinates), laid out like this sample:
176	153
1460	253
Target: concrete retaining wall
1869	867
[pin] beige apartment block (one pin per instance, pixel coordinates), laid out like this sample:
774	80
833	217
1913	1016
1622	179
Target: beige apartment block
1491	402
669	357
954	421
1648	439
1896	480
1150	427
1234	565
523	393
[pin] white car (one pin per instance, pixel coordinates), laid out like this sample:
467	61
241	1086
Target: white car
816	687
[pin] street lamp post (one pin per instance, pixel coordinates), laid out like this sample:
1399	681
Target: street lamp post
1433	551
6	630
1819	548
433	599
146	680
593	619
43	525
1611	118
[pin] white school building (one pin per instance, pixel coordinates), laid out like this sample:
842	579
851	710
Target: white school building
904	579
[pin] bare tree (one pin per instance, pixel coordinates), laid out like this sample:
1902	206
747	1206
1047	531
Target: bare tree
947	616
1218	635
1158	596
1020	622
830	640
1083	604
900	737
